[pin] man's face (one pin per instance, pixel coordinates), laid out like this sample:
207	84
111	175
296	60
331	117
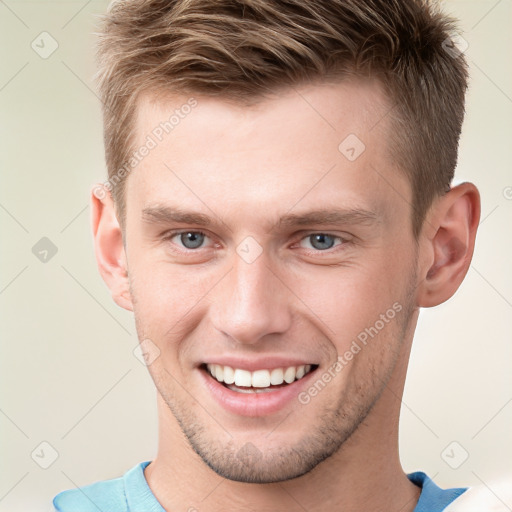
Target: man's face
306	254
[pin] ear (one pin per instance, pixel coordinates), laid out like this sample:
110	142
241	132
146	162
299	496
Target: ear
448	240
108	246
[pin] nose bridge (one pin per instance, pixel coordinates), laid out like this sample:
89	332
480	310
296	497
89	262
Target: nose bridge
252	303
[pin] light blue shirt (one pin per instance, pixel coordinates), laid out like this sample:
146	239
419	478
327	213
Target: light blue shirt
131	493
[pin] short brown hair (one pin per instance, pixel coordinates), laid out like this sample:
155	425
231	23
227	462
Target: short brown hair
242	50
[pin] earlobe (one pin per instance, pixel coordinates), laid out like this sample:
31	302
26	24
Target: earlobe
452	224
109	248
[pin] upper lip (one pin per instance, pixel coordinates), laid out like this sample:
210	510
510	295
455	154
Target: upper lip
259	363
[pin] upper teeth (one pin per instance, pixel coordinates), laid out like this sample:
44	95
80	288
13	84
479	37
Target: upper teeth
258	378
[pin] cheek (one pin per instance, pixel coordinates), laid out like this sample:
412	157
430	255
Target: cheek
351	299
161	311
167	298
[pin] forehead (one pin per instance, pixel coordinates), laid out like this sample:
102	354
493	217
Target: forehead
313	145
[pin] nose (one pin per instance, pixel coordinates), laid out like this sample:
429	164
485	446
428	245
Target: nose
252	302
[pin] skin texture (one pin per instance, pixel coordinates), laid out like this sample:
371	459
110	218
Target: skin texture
246	168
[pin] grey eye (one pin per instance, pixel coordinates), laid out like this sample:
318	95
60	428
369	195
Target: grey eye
321	241
192	239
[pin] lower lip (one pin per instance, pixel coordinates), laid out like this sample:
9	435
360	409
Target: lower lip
254	404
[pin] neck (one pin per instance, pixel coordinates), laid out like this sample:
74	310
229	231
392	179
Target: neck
365	474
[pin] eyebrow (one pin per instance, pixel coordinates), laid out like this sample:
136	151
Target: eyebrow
326	216
164	214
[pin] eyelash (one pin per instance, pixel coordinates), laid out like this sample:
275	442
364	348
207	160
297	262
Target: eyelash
171	234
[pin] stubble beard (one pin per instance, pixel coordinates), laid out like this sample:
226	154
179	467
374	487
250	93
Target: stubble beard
246	462
334	425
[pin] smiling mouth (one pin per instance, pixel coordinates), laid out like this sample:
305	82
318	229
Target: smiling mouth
258	381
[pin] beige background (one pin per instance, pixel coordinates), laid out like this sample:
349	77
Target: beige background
68	374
